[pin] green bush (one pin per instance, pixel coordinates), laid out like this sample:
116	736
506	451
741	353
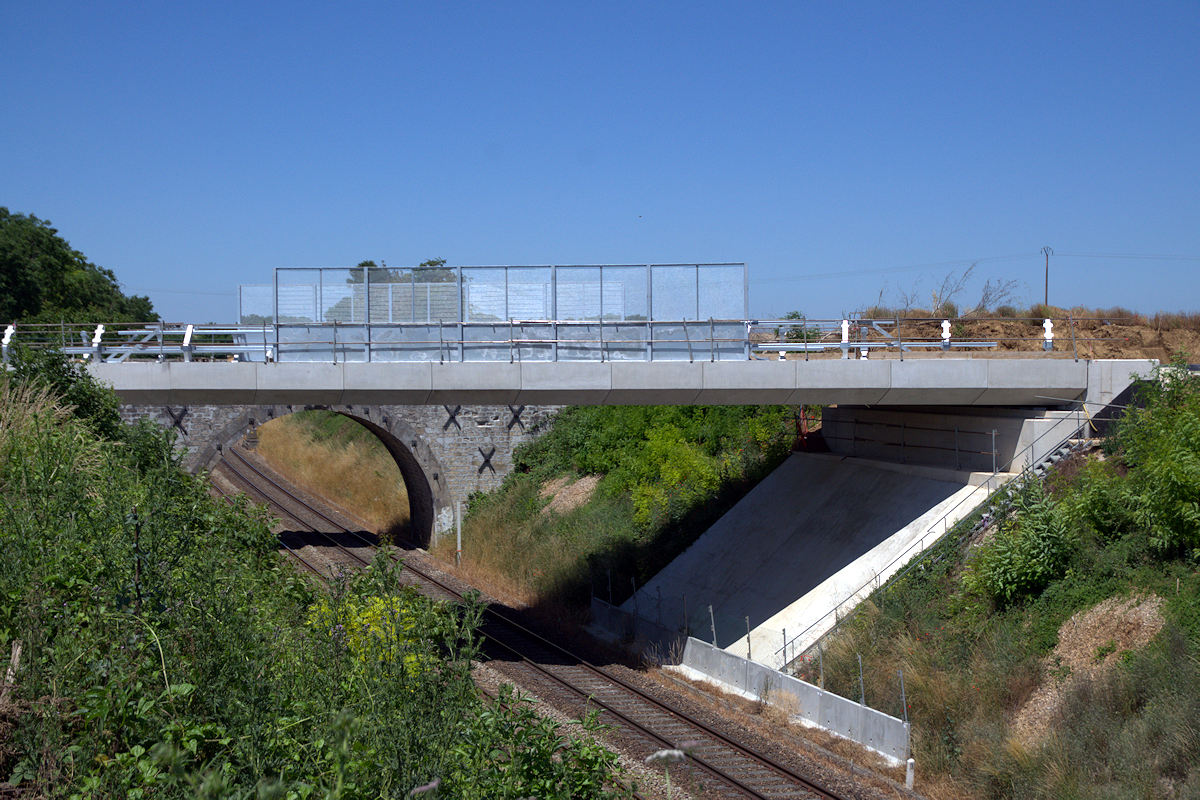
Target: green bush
1030	549
1160	442
169	652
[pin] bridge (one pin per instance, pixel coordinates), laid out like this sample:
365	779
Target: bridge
453	368
891	382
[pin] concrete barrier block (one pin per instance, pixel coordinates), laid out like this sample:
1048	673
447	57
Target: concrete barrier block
216	382
316	383
139	383
1107	378
656	383
844	381
472	382
939	382
747	382
386	383
564	382
1034	382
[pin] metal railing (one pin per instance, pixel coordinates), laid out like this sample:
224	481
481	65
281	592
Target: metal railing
519	340
917	550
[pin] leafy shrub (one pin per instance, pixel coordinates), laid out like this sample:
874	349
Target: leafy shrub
1161	444
1031	549
169	652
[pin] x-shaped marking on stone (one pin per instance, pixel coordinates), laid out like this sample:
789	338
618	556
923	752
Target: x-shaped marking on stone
177	419
516	417
487	460
453	418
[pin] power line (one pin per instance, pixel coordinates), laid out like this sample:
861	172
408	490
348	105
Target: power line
962	262
1131	256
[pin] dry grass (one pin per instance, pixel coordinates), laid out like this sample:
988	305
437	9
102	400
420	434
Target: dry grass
1089	643
518	564
566	494
357	474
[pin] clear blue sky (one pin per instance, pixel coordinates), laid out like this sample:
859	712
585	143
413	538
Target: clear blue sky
193	146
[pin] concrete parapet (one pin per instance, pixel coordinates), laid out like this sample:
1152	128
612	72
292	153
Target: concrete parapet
393	383
757	382
927	382
823	382
666	383
955	382
477	382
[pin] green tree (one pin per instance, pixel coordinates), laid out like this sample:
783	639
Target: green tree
44	279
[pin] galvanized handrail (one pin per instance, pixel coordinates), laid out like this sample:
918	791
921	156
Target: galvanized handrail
385	341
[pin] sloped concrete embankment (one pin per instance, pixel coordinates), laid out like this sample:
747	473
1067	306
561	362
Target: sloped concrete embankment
807	537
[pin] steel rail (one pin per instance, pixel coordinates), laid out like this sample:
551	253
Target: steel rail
756	759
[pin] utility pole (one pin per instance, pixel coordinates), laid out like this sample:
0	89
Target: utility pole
1047	252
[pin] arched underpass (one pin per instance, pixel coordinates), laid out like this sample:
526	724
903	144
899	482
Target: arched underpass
425	481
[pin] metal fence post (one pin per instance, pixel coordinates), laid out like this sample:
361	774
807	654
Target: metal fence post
712	622
748	656
458	533
862	692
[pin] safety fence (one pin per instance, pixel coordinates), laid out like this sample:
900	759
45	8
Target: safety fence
803	701
338	337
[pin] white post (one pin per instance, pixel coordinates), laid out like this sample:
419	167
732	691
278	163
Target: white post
8	335
1048	336
845	338
96	343
187	343
458	533
910	774
945	334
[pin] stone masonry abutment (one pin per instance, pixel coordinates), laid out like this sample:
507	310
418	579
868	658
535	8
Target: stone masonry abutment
444	452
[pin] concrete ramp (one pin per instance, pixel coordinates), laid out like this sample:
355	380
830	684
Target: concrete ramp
813	532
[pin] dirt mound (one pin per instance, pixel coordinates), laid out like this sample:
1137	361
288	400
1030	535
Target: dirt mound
1089	643
566	494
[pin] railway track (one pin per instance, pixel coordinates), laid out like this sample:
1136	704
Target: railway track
717	765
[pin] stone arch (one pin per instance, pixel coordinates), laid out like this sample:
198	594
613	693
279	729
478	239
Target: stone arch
424	478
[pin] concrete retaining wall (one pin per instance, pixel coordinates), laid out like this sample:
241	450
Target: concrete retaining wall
804	702
953	438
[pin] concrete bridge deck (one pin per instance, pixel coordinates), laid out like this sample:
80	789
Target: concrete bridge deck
945	381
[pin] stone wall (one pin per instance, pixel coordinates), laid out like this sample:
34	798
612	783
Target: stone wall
444	452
